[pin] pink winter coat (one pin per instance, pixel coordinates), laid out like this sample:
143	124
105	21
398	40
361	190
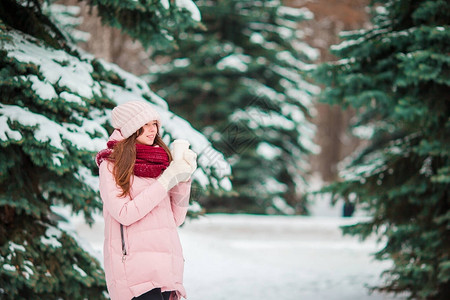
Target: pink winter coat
150	218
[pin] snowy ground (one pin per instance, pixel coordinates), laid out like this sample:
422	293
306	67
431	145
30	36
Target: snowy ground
270	257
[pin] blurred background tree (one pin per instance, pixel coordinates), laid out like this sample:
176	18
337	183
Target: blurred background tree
395	74
330	17
239	79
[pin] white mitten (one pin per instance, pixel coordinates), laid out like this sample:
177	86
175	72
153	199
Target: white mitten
177	171
191	158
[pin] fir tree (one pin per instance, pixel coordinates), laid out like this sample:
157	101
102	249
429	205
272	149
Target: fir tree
54	110
155	23
396	75
240	80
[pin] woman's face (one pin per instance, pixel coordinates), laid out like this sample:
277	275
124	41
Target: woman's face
148	135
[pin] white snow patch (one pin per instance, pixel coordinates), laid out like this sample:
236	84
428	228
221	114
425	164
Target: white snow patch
307	142
364	132
261	90
28	271
257	118
72	98
51	237
267	151
9	267
13	247
195	207
257	38
281	204
346	44
191	7
181	62
287	57
225	183
295	12
381	10
79	270
56	66
234	61
46	130
85	175
43	89
7	133
310	52
165	3
273	186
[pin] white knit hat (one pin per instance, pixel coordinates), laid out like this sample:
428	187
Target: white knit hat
131	116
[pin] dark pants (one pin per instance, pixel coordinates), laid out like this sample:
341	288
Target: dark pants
154	294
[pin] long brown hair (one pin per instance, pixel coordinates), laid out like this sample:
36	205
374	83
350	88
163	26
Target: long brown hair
124	158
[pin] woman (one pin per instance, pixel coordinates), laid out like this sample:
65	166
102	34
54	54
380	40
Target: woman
145	197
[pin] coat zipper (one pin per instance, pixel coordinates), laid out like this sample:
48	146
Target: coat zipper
124	249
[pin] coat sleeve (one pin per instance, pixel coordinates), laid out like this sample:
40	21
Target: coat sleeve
126	210
179	200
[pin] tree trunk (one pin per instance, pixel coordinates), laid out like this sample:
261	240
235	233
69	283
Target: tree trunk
330	18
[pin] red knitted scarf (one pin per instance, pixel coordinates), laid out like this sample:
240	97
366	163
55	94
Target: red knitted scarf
150	160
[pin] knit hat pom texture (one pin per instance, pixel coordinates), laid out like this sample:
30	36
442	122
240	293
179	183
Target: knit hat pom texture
131	116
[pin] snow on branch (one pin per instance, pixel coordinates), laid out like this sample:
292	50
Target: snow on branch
81	84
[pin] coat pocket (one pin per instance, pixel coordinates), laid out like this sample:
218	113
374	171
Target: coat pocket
124	246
